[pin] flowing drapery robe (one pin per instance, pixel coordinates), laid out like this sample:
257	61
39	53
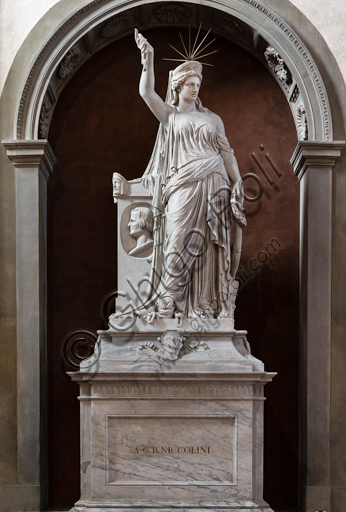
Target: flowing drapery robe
192	217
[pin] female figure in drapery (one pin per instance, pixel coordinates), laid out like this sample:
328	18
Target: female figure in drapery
189	173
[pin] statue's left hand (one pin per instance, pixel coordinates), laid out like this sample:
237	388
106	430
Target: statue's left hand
238	192
237	199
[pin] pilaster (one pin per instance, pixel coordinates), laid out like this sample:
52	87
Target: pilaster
33	162
313	163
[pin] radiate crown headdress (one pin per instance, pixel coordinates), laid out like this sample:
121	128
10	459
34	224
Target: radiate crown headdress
193	54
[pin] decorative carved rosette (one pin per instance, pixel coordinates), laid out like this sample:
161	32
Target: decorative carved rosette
70	62
117	26
172	13
229	26
277	65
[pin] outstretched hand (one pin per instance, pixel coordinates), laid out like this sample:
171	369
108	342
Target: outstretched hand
145	48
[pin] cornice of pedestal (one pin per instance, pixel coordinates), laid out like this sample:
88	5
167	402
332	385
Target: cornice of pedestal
315	154
31	154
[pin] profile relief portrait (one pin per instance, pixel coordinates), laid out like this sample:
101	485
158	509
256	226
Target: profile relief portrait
141	225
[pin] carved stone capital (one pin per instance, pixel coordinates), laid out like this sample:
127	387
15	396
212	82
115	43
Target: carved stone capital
31	154
315	154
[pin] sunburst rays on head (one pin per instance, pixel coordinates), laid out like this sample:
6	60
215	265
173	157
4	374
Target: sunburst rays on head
194	52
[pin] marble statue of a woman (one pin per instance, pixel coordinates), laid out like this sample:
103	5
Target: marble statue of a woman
189	175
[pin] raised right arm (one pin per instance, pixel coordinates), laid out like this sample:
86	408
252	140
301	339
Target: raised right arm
147	82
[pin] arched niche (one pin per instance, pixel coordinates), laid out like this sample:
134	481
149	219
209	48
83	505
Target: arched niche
101	125
258	29
246	22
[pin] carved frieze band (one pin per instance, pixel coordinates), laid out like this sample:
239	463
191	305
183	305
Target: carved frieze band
183	391
166	14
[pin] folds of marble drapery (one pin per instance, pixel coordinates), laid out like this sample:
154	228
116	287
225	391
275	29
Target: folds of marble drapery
192	237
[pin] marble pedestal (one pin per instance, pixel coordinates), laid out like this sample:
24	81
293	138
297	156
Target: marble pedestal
184	434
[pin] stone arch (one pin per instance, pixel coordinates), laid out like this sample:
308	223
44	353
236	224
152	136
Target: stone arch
313	162
247	22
